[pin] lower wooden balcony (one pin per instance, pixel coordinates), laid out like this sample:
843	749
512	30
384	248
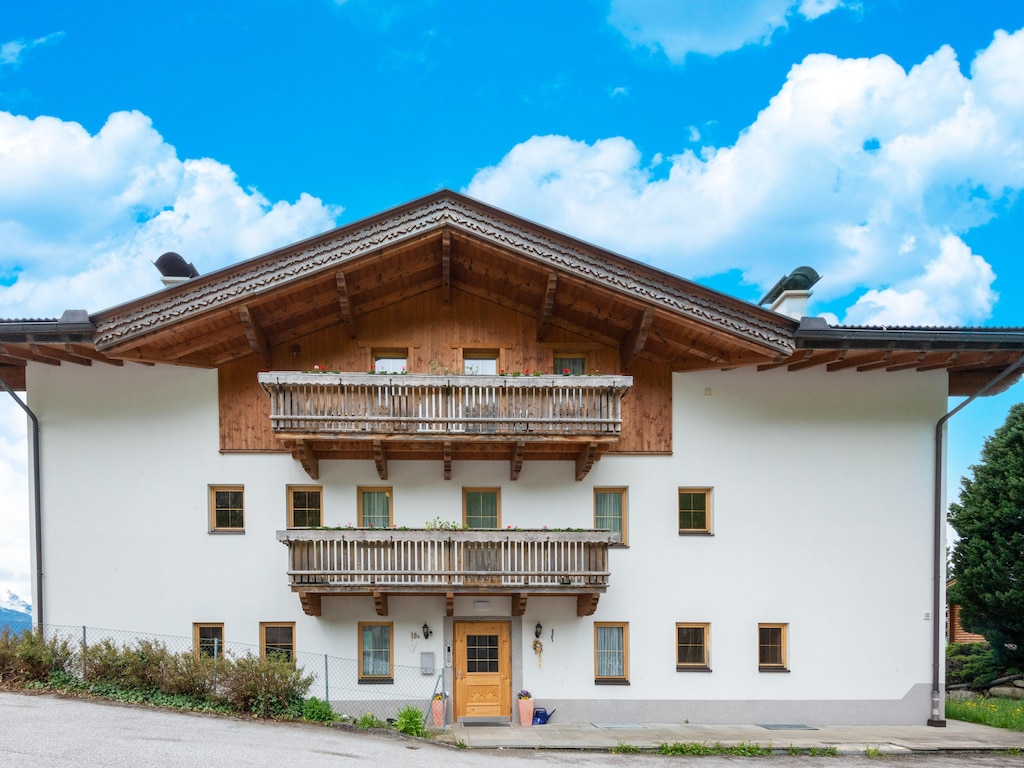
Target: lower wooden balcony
377	563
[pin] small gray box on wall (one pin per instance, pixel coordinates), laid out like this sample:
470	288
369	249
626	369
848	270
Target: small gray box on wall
427	662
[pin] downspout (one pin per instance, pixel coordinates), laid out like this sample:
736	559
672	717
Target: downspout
938	719
36	500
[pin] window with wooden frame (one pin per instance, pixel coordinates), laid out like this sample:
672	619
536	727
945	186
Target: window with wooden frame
390	360
277	640
694	510
481	508
227	509
611	653
481	362
305	506
569	364
374	507
610	511
692	647
376	652
772	647
208	640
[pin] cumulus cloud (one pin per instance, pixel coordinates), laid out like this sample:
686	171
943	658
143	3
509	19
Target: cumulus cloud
11	52
679	27
857	167
82	217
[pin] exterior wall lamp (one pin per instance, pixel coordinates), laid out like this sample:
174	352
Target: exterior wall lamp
426	631
537	630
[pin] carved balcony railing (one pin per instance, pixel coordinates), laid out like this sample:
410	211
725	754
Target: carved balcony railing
418	406
379	562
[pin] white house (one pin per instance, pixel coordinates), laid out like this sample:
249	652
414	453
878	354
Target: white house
700	509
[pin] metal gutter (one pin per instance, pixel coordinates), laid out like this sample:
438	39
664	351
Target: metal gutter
938	719
37	602
815	333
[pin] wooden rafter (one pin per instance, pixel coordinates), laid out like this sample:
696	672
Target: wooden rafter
519	603
447	459
308	458
547	306
83	351
311	603
518	452
446	266
58	354
637	340
9	350
884	362
380	603
852	361
380	459
788	362
449	603
950	360
813	360
344	302
910	364
585	460
587	604
254	335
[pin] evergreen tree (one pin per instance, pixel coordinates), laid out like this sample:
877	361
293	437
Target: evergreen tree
988	561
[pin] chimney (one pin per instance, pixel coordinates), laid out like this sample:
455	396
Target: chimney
791	294
174	269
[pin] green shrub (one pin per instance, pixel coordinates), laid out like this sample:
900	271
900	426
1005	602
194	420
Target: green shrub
368	720
317	710
264	688
28	657
410	722
971	664
186	674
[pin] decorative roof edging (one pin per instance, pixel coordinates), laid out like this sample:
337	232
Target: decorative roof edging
447	209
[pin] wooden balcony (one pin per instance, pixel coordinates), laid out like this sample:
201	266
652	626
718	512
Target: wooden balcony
419	416
381	562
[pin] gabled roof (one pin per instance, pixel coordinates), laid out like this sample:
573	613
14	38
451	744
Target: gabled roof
448	242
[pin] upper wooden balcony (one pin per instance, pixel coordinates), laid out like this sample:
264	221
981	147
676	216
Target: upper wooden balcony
340	415
382	562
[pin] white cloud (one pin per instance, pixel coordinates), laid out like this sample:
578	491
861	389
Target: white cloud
82	217
856	167
679	27
11	52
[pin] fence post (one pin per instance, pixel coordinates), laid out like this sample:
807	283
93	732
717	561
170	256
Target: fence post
327	690
84	645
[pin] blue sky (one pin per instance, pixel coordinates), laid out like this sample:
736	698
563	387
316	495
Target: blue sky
879	141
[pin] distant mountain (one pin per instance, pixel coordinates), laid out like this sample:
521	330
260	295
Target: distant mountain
15	613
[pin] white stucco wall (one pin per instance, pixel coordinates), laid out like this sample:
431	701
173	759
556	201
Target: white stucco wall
821	520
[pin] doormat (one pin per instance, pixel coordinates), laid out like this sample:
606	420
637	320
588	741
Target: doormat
786	727
491	722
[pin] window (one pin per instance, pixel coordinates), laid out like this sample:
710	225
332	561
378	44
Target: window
305	507
611	652
481	508
374	507
692	647
227	508
482	362
571	365
610	510
208	640
375	653
277	640
390	360
694	510
771	647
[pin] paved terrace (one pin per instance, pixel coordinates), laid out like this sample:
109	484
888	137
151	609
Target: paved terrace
847	739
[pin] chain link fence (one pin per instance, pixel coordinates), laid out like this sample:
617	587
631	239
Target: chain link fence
335	679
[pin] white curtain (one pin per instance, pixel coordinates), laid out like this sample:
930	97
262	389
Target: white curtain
610	652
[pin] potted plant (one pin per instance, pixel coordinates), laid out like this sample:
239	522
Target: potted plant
437	710
525	707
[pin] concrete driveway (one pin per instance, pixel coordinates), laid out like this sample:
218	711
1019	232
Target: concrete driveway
48	731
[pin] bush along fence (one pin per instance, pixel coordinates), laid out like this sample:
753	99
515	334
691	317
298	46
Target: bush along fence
225	676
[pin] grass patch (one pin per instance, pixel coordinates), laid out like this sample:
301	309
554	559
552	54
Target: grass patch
999	713
743	749
624	749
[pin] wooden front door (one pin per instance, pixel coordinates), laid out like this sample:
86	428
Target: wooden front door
482	669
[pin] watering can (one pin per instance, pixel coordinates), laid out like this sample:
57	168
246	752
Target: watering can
541	715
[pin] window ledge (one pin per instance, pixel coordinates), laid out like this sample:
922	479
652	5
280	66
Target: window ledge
376	681
600	681
693	669
696	533
219	532
772	669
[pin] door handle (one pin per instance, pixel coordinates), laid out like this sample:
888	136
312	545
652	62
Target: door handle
458	675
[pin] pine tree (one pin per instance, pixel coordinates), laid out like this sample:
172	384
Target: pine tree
988	561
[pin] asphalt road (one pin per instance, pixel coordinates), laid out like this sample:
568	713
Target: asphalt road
47	731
